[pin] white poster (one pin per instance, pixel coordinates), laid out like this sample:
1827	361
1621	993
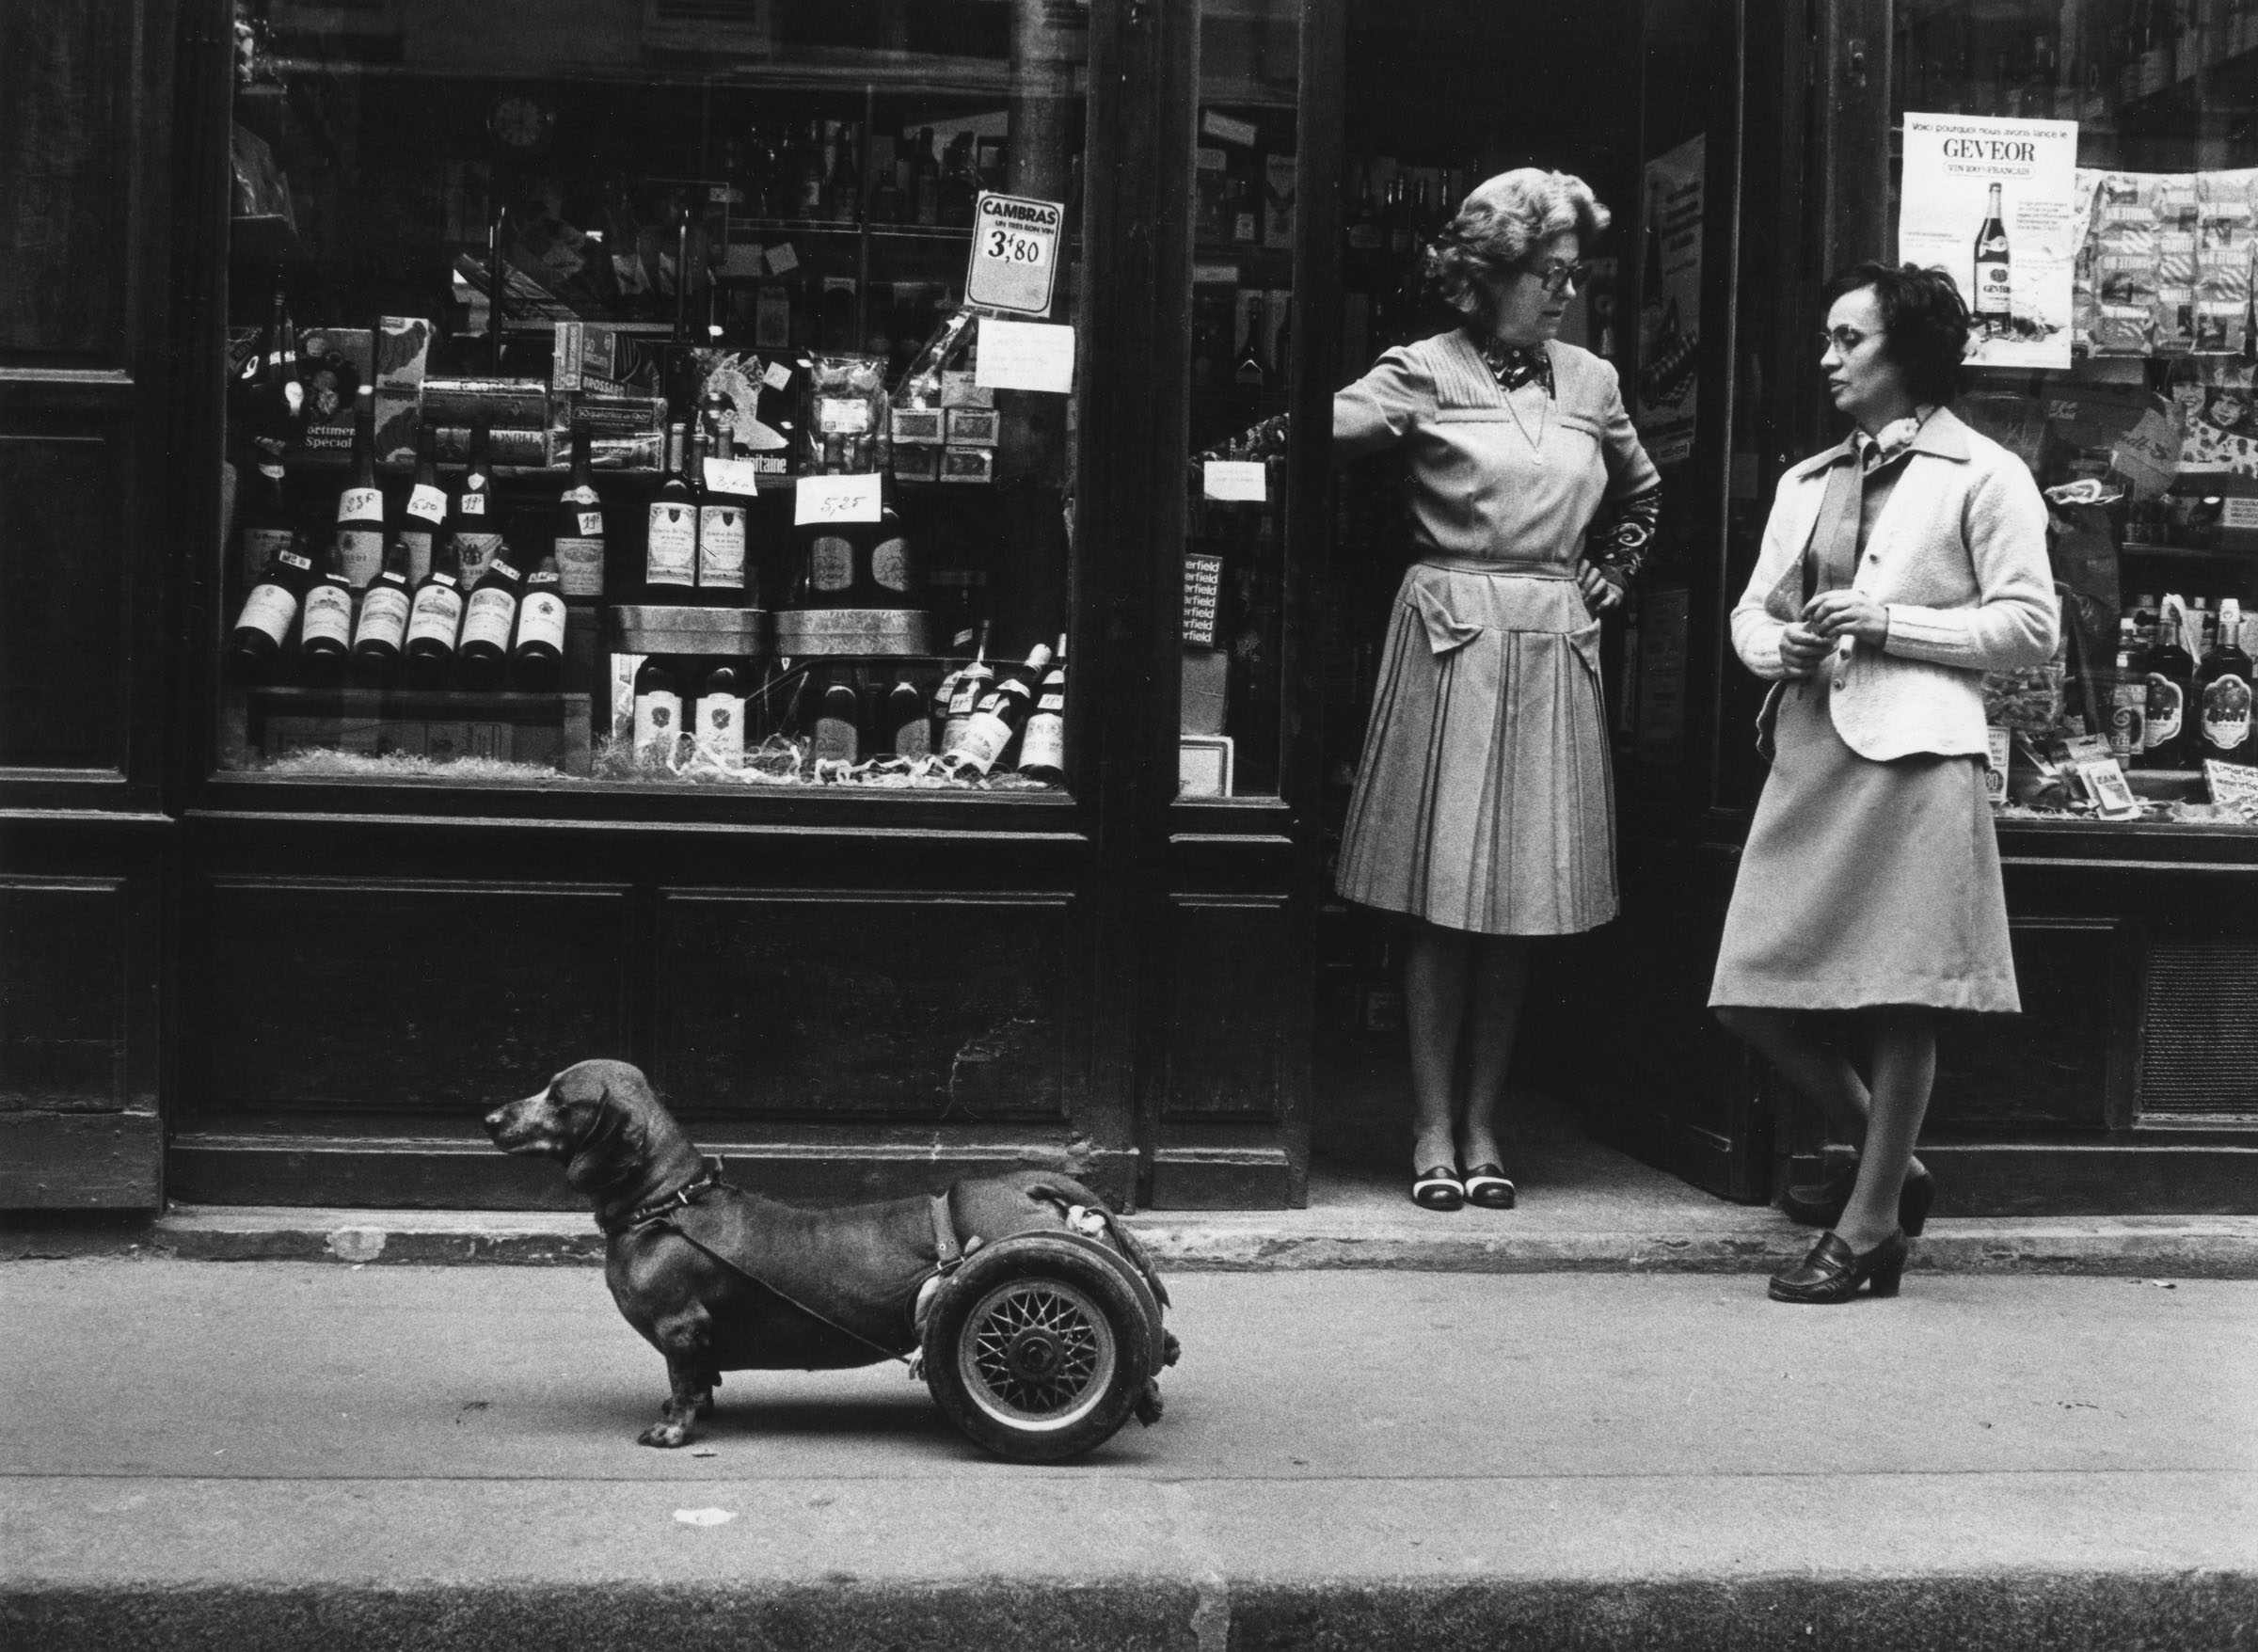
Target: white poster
1994	203
1670	304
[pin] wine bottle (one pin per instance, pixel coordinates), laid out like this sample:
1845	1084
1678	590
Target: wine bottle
360	536
837	734
1252	370
907	729
1366	238
434	620
842	179
966	690
474	520
890	564
1994	308
2170	738
669	558
538	657
254	648
579	536
958	185
273	407
718	720
657	710
1042	743
380	632
725	519
2222	692
424	517
490	620
925	180
1002	713
267	522
808	198
326	624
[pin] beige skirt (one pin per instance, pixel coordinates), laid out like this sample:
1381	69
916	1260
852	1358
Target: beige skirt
1486	801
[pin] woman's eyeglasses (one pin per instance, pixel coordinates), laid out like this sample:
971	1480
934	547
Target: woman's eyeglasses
1558	275
1842	341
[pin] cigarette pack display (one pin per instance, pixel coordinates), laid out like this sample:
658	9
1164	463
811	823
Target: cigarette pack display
918	428
625	432
511	403
973	427
958	390
968	464
525	448
916	464
612	360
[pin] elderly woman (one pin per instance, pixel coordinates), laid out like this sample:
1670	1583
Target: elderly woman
1897	567
1483	807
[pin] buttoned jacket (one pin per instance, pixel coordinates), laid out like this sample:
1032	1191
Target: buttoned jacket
1958	560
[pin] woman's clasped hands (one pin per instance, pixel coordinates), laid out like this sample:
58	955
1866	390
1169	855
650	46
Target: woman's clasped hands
1828	618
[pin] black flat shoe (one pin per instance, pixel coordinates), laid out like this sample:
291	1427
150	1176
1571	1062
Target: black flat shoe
1820	1204
1486	1185
1833	1272
1437	1188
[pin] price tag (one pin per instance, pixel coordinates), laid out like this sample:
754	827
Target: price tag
1025	356
2239	511
776	375
1245	480
835	498
781	259
1014	253
731	476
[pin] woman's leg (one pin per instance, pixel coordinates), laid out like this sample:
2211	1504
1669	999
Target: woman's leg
1904	1069
1818	1070
1499	979
1435	976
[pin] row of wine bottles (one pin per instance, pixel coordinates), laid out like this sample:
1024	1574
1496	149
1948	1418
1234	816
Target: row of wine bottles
977	721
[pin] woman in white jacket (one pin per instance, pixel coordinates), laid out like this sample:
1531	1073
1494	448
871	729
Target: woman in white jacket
1897	567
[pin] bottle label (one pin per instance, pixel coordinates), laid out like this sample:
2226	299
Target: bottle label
657	721
427	503
722	547
491	614
1044	745
914	738
836	740
383	617
270	609
2167	705
329	615
541	619
471	504
983	740
831	563
1994	286
722	727
967	697
437	616
359	555
2226	713
671	557
260	546
361	504
583	496
581	566
417	542
474	553
890	564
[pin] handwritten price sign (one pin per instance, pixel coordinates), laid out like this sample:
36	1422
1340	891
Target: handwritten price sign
835	498
1014	253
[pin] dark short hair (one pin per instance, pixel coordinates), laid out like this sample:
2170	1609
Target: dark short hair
1924	322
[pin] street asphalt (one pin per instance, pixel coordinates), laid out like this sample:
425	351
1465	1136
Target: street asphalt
284	1454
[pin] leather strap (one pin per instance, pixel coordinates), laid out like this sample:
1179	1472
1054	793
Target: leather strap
947	1251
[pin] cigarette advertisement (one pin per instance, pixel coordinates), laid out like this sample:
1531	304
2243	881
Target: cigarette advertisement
1994	203
2165	265
1670	302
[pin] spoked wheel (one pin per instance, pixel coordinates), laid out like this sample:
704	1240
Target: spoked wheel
1040	1346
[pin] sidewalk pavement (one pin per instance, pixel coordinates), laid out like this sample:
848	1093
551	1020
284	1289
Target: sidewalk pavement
347	1456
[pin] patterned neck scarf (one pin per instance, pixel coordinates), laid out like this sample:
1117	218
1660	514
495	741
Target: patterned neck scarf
1515	365
1891	442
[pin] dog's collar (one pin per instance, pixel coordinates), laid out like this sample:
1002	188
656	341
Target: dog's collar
643	1215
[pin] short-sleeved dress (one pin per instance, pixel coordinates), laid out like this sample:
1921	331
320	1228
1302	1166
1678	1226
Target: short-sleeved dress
1485	800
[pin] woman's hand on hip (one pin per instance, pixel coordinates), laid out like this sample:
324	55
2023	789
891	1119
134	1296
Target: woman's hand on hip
1599	591
1831	615
1801	650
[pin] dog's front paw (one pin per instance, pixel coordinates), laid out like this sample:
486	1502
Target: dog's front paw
666	1433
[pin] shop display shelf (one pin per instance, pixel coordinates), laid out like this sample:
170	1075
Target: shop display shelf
2215	553
544	730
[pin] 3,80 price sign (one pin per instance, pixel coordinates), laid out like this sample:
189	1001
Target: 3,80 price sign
1014	253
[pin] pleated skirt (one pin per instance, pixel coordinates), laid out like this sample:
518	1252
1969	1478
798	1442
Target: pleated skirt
1486	801
1865	883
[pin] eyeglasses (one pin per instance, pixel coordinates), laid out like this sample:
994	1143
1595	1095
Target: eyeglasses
1557	274
1842	341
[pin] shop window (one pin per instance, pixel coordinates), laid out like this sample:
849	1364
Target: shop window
2088	172
633	392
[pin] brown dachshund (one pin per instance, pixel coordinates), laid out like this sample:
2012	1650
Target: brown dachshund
718	1280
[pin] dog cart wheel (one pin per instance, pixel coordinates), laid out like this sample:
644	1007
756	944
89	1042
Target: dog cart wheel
1040	1345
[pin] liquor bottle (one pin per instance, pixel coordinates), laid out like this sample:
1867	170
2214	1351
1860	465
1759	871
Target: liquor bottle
2222	692
360	536
907	730
889	198
2155	49
382	628
925	180
726	576
2170	739
964	690
490	620
434	620
843	179
718	720
579	536
254	648
957	185
657	710
1396	221
1252	370
1043	744
538	657
670	557
1994	310
473	518
808	195
267	522
1002	713
325	625
1367	240
2128	696
890	564
837	736
423	516
272	406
